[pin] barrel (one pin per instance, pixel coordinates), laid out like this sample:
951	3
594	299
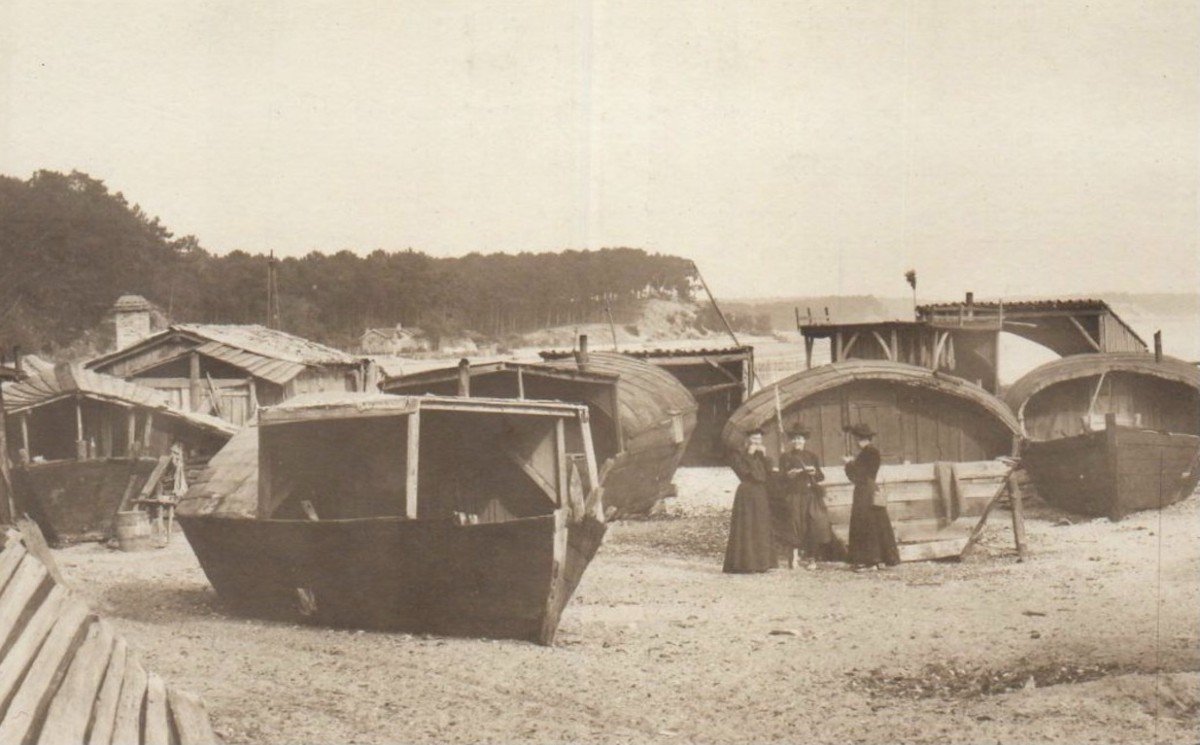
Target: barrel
133	531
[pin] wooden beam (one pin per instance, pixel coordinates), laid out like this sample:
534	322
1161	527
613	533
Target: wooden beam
1018	515
895	346
25	434
808	350
131	434
194	380
1083	332
837	357
886	349
850	344
412	465
560	458
520	383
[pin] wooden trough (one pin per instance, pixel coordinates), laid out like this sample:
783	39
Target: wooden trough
939	437
66	676
1110	434
455	516
642	417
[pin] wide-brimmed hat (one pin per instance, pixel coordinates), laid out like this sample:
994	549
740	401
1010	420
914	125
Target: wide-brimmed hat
795	432
862	430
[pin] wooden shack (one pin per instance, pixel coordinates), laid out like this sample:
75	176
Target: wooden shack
449	515
641	416
719	380
85	442
963	339
1110	434
231	370
939	437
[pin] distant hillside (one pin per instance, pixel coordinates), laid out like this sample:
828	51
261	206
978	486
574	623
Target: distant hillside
845	309
69	247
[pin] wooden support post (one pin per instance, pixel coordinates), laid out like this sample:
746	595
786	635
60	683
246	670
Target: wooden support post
131	446
561	460
1018	515
1158	346
412	465
252	394
147	430
895	346
194	380
26	452
8	511
520	383
837	356
81	451
808	350
464	377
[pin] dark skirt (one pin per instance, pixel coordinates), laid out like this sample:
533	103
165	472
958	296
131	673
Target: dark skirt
872	540
819	541
751	547
788	509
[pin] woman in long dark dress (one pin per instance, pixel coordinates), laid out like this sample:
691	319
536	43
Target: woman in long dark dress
808	524
751	548
872	541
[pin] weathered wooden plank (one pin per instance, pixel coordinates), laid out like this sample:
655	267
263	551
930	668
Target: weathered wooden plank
22	651
69	712
932	549
105	711
29	705
158	724
17	596
9	560
127	727
191	719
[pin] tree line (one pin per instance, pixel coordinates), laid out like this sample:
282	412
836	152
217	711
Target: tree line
69	247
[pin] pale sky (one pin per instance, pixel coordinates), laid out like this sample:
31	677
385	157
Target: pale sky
1012	148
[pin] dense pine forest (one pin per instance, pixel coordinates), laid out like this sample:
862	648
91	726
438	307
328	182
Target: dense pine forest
69	247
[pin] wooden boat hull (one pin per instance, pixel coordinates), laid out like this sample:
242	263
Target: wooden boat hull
932	517
77	500
507	580
1115	471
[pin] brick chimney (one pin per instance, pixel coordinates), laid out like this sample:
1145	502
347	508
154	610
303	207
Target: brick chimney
132	313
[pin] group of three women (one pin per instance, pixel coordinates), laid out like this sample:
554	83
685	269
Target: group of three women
783	506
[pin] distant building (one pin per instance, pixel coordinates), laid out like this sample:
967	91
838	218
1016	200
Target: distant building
227	370
393	340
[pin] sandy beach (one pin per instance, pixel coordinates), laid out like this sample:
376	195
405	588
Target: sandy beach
1093	639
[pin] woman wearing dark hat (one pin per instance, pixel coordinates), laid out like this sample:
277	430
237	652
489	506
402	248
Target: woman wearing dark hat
872	542
807	523
751	548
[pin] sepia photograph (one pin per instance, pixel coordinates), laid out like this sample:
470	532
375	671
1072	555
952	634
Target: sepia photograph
599	371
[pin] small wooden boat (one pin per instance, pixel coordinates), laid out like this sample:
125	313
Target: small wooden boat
1110	434
940	438
642	417
86	443
66	676
456	516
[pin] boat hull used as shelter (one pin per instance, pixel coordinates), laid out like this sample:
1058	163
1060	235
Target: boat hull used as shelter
942	440
719	380
642	417
464	517
88	443
1110	434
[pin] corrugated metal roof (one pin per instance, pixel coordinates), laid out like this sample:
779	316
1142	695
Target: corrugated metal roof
1016	306
268	368
674	351
72	379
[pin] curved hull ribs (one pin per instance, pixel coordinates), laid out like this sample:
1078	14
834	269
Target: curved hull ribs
66	676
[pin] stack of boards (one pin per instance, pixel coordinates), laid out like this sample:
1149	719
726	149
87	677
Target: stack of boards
66	677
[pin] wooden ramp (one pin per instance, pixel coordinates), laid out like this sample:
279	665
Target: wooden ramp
66	677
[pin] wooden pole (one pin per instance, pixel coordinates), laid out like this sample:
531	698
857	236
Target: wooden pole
131	433
464	378
717	308
27	453
146	431
81	452
194	380
1018	515
412	465
8	507
1158	353
520	383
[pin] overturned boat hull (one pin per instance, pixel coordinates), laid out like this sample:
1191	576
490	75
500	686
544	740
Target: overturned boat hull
74	501
507	580
1115	471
